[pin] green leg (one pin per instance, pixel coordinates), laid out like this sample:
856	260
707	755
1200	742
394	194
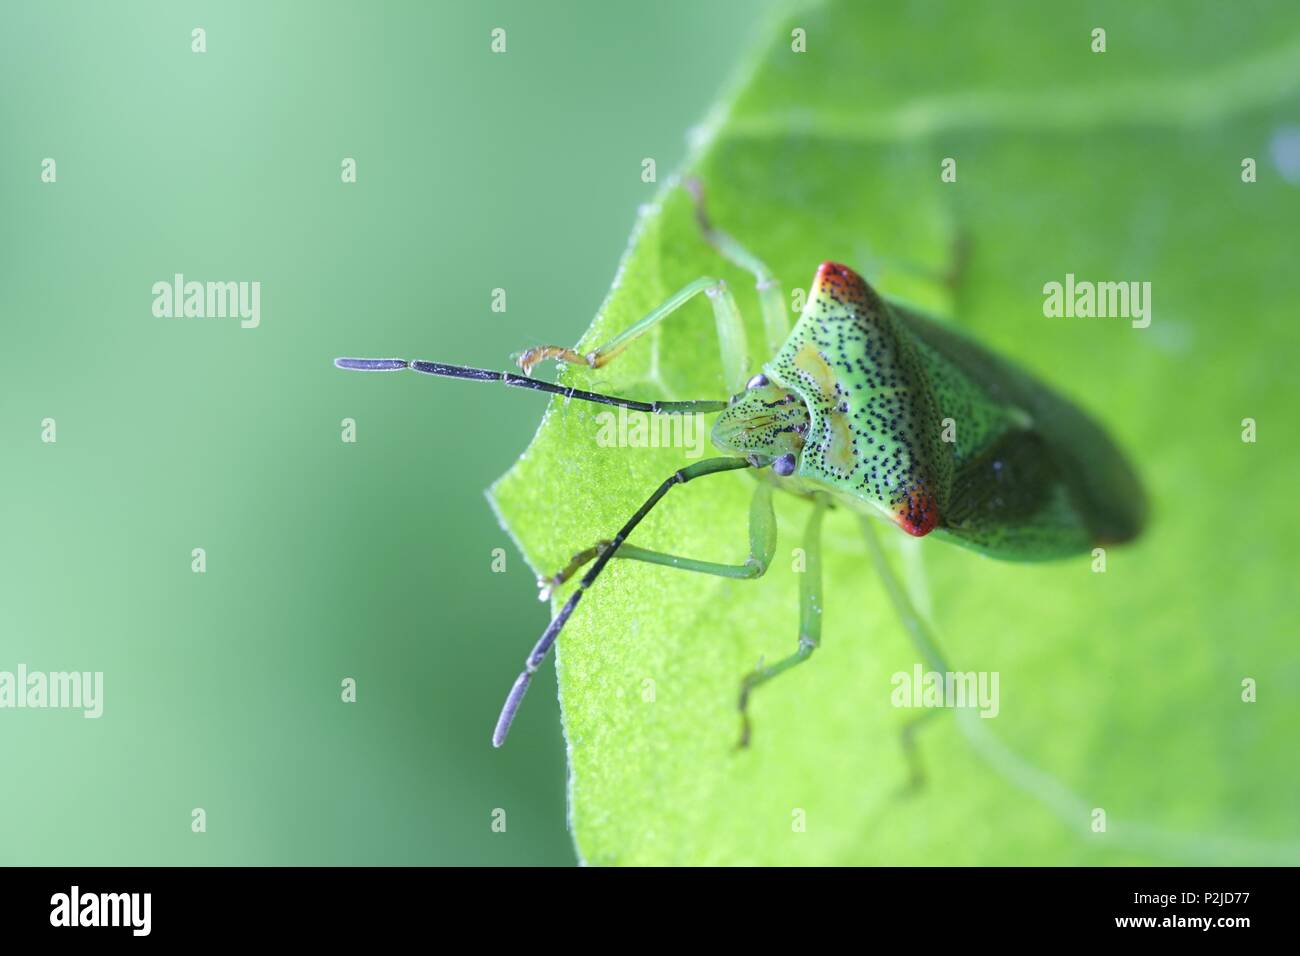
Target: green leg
810	616
731	335
709	466
762	546
776	324
921	639
958	261
951	275
907	738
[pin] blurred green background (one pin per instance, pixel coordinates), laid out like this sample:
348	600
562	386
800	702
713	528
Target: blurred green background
325	560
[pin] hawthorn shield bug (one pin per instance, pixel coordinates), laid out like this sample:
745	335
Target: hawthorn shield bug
864	404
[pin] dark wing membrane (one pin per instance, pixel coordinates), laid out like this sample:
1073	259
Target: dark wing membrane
1012	502
1060	470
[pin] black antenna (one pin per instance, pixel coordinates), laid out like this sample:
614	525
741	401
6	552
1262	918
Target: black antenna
523	381
516	696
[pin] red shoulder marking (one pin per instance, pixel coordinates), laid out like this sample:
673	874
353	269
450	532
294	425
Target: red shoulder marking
918	514
843	281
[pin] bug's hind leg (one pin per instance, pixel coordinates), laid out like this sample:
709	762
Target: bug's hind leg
776	324
958	261
810	617
762	546
726	316
912	754
949	275
921	640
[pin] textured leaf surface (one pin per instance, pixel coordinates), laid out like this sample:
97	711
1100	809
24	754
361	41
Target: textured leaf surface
1119	691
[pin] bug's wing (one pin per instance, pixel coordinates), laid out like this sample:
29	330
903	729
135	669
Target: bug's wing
1012	501
1036	476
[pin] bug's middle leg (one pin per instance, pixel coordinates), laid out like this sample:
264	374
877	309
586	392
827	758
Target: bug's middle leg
762	546
810	617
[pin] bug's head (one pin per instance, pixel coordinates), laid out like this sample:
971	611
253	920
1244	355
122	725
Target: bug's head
764	419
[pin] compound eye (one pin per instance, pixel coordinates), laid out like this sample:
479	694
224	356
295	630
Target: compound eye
758	381
784	466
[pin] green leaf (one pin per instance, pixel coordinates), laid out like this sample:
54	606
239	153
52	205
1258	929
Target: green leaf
1119	690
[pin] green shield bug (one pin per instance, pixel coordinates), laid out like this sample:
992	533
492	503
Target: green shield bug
863	404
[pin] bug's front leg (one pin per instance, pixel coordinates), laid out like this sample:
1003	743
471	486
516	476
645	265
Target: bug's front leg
762	546
810	617
730	327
